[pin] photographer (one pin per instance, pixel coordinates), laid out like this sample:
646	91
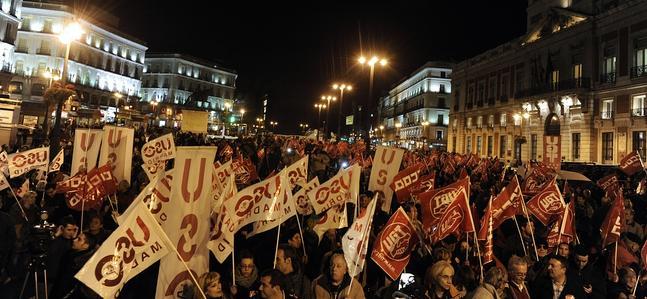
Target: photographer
60	245
65	285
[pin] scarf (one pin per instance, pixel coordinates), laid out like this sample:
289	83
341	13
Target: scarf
246	282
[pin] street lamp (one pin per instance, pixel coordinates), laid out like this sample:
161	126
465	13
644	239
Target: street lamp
51	77
371	63
154	104
341	87
328	98
273	124
319	106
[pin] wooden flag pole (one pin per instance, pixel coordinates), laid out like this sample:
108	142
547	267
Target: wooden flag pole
637	281
615	259
478	251
523	245
233	261
303	244
532	234
18	203
276	250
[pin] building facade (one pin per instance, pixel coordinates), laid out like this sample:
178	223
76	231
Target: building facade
415	114
578	75
179	81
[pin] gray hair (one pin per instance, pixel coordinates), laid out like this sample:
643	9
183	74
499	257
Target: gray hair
516	260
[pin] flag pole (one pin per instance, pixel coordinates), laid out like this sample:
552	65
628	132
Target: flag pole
303	244
637	281
532	234
19	205
615	259
523	245
276	250
233	261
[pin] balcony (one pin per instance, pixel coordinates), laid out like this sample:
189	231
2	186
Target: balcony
639	112
638	71
606	114
608	78
564	85
42	51
21	49
503	98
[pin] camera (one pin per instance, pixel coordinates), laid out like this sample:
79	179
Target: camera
42	234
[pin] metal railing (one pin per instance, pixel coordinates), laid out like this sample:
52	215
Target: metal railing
606	114
638	71
608	78
639	112
568	84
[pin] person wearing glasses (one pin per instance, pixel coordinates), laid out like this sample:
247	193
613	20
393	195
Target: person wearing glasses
247	280
517	271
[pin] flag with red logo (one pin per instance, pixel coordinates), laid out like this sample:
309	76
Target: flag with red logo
24	188
298	172
141	242
156	152
244	170
188	225
563	231
303	205
22	162
117	148
226	153
334	218
435	202
355	240
485	234
547	205
156	196
405	180
4	184
631	163
394	244
55	165
288	210
386	166
342	188
87	143
508	203
609	183
614	221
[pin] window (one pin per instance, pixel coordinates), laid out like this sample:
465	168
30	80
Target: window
533	147
576	145
554	79
490	121
454	143
504	120
479	121
519	80
469	122
517	120
443	74
455	123
439	135
577	71
639	143
479	143
640	58
607	109
638	105
468	144
609	61
503	93
490	146
607	146
503	143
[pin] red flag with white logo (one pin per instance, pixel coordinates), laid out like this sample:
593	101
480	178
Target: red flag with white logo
631	163
457	219
405	180
435	202
508	203
547	205
614	221
643	255
424	184
393	246
485	234
609	183
563	231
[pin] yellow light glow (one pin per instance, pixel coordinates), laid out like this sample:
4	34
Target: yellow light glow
383	62
71	32
335	86
362	60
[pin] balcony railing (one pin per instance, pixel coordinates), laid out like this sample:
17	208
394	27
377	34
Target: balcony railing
606	114
563	85
608	78
503	98
639	71
639	112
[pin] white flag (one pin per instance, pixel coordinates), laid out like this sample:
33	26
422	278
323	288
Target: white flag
87	143
4	184
137	243
4	162
288	210
156	196
386	164
57	162
156	152
298	172
334	218
117	148
342	188
355	241
301	197
20	163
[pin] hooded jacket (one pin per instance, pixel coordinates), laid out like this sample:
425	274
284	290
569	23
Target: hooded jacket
323	288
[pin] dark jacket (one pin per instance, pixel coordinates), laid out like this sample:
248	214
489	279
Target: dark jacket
299	285
543	288
589	276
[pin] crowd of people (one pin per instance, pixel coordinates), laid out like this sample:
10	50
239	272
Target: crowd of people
305	266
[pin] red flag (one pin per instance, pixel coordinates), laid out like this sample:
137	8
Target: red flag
643	255
405	180
538	179
456	219
485	234
567	188
435	202
609	183
393	246
508	203
631	163
563	231
449	166
547	205
613	222
424	184
244	170
463	174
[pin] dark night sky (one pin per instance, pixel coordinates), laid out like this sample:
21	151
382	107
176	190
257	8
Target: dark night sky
294	52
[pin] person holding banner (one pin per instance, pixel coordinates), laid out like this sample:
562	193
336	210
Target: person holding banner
335	281
212	286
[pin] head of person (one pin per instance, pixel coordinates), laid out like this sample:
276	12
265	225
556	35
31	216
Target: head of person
441	254
496	277
294	238
338	268
210	284
557	266
581	256
246	263
68	227
28	199
96	223
542	248
50	190
632	241
628	277
82	242
563	249
439	276
629	216
517	269
287	260
272	284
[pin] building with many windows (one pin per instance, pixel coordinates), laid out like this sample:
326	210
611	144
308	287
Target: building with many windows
179	81
579	74
415	114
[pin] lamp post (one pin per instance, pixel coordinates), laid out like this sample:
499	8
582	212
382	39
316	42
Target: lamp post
273	124
371	63
328	99
341	87
154	104
519	117
51	77
319	106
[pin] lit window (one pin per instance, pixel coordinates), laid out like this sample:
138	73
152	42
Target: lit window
479	122
638	105
503	121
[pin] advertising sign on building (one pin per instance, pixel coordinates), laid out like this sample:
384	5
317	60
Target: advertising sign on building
349	120
553	152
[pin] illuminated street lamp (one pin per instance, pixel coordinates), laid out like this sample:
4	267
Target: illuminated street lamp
319	106
51	77
328	98
341	87
371	63
273	124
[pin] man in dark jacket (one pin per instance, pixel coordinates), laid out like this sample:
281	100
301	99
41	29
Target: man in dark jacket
287	261
557	284
591	279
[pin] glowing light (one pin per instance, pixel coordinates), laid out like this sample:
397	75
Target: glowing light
72	32
361	60
383	62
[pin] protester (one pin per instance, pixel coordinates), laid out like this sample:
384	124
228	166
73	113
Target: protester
289	263
589	276
517	271
247	282
212	286
272	285
493	286
438	281
335	281
557	284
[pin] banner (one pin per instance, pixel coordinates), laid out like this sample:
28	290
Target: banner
156	152
631	163
333	218
609	183
393	246
194	121
386	165
20	163
156	197
135	245
553	151
507	204
298	172
342	188
355	240
547	205
301	197
614	221
187	225
117	149
288	210
435	202
87	143
405	180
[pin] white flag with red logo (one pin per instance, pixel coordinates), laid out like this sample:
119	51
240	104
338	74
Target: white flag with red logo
24	188
4	163
298	172
342	188
386	165
434	203
301	197
4	184
355	240
57	162
156	197
117	148
563	231
156	152
87	143
393	246
333	218
507	204
223	225
20	163
406	180
547	205
135	245
614	221
288	209
187	225
485	234
631	163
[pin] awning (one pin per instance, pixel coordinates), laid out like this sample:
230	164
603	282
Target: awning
571	176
